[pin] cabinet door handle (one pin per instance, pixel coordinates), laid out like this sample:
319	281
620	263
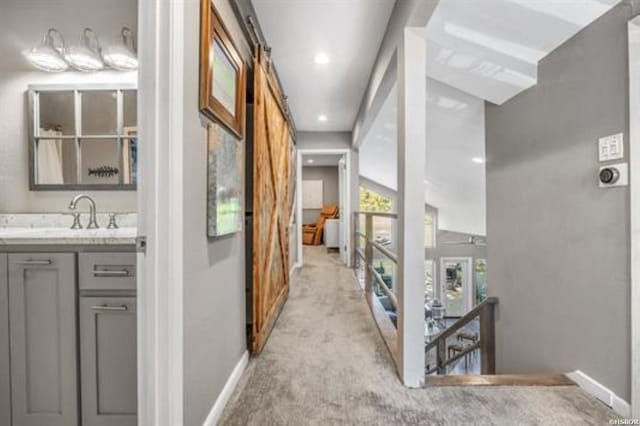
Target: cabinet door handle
111	273
33	262
109	308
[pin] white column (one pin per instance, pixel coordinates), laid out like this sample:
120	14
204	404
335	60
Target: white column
412	105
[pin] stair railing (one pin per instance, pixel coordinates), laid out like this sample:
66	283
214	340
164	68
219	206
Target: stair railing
486	343
367	255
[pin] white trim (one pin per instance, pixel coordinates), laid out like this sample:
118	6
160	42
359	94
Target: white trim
345	210
599	391
634	190
222	400
160	187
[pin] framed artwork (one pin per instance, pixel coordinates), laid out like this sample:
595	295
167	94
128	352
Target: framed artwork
225	182
222	73
312	195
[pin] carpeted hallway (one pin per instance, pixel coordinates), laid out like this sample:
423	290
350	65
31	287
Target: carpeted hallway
326	364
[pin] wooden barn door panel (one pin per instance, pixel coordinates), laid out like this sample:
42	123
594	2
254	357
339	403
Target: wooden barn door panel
271	208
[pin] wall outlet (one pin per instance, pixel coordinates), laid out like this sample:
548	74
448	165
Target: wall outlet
611	148
614	175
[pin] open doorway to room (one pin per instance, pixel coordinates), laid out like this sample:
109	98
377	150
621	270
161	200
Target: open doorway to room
323	202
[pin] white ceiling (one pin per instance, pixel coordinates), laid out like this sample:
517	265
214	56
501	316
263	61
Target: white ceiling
491	48
318	160
348	31
454	182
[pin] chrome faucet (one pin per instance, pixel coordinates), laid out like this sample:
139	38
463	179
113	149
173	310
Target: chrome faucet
93	223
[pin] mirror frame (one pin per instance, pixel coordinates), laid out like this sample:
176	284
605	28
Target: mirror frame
33	121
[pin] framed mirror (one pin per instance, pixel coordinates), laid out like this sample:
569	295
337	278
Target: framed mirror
83	137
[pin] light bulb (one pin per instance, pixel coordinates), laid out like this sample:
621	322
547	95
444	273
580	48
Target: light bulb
46	56
86	56
122	55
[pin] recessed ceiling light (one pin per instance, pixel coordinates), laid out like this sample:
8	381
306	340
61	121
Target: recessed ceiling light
310	161
322	118
478	160
321	58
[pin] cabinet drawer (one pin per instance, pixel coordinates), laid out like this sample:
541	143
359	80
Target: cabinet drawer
107	271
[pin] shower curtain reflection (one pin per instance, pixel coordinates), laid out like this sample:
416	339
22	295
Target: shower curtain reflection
49	158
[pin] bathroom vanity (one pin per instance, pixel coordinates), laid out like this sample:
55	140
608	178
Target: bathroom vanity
67	322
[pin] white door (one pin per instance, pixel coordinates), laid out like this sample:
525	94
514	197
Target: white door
455	285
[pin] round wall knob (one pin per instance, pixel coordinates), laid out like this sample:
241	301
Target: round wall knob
609	175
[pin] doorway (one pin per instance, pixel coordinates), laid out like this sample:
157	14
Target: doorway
455	285
309	202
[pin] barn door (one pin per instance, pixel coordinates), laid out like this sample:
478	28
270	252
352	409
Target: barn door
271	206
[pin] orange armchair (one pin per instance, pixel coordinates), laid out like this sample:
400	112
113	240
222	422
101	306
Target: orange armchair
312	234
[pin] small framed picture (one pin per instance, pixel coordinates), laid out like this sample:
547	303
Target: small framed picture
222	73
225	182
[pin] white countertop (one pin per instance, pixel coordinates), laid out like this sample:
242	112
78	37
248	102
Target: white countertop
54	229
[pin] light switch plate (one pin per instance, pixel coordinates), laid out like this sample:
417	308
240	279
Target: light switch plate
611	147
623	179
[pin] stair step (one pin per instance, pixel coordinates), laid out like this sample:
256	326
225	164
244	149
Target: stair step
501	380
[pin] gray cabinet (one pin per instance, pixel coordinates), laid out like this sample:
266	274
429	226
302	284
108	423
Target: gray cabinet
5	372
108	361
42	315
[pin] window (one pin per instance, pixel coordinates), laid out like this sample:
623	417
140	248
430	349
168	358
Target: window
429	230
371	201
429	274
481	279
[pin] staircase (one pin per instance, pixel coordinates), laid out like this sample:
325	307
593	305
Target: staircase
455	344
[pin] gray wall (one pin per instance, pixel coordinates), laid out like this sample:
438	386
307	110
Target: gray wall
27	23
330	188
323	140
214	277
558	257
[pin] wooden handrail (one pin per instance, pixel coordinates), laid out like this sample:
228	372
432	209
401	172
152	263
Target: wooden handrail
486	344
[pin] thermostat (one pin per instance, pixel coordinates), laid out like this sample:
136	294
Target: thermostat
614	175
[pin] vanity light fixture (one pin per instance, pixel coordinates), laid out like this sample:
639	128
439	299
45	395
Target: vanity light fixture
85	57
322	118
122	55
46	55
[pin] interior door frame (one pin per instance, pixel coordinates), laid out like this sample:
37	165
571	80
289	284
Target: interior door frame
160	188
634	194
345	210
443	280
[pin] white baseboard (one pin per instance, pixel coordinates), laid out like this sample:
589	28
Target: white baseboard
227	391
601	392
294	267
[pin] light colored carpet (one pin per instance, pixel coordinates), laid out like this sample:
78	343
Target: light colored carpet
326	364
